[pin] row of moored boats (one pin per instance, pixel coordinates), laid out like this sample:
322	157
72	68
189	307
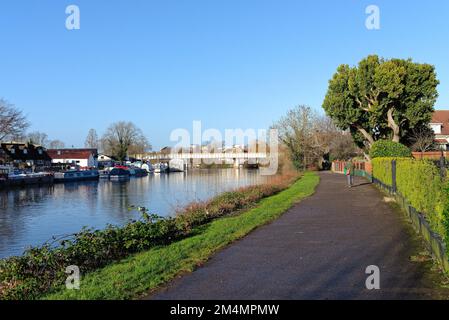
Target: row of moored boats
116	173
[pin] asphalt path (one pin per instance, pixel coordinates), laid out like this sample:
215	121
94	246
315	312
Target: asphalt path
319	249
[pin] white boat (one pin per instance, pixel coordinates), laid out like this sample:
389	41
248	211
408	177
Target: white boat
148	167
177	165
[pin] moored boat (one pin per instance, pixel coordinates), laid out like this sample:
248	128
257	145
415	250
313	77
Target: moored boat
119	174
138	172
147	167
177	165
76	175
104	174
160	167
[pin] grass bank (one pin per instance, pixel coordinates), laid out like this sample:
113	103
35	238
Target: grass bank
148	270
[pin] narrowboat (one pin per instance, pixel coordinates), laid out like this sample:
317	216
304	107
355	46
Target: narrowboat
76	175
119	174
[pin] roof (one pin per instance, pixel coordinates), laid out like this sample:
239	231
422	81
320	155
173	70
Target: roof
442	117
72	153
24	151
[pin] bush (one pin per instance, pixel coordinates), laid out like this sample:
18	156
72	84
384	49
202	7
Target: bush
420	183
386	148
41	268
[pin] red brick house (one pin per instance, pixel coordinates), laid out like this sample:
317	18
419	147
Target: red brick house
440	125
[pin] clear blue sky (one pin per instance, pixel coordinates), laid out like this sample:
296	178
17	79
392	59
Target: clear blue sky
229	63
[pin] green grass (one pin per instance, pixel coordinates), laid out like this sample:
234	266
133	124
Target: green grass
146	271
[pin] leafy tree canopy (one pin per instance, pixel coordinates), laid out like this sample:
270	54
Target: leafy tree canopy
382	99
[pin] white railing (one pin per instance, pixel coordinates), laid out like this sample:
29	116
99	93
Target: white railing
205	155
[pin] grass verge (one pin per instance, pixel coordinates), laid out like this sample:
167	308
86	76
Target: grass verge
146	271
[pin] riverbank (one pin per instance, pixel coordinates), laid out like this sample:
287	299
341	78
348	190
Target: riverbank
148	270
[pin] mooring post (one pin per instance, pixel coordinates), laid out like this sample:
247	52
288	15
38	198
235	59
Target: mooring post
393	175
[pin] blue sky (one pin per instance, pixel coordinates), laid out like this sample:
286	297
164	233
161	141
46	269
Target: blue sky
230	64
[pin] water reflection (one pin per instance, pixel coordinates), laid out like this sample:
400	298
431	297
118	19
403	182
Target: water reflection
31	216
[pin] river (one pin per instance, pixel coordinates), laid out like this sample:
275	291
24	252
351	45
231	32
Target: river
31	216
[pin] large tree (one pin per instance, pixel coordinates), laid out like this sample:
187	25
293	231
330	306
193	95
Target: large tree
382	99
122	137
12	121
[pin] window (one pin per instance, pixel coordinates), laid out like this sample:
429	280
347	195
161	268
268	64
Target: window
436	127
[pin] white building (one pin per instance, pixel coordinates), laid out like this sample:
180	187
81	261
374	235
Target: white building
85	158
440	126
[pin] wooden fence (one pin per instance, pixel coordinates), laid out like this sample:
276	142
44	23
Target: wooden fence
361	168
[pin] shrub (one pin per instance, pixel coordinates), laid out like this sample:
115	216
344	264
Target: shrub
386	148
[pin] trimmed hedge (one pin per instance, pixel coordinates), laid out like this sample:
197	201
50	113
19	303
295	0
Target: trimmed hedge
420	183
387	148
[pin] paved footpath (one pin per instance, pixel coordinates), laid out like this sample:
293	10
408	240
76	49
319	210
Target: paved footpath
319	249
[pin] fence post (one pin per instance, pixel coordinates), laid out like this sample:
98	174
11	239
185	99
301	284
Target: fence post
442	166
393	175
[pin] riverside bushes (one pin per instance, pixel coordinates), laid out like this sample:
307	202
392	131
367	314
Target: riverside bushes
420	183
42	268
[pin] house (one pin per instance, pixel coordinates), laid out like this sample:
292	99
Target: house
80	157
440	126
105	160
25	154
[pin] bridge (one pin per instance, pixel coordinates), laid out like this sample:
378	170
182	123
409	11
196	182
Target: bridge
192	158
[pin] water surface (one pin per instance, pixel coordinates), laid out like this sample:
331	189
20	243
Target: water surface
31	216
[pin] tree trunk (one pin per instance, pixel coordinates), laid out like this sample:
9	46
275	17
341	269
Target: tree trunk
366	135
367	157
392	124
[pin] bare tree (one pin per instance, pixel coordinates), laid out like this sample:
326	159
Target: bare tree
92	140
140	146
38	137
56	144
311	138
342	147
423	139
122	136
12	121
296	131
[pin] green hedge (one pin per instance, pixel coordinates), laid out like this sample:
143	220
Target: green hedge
420	183
387	148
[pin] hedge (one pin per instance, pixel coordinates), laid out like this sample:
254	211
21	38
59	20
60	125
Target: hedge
387	148
420	183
